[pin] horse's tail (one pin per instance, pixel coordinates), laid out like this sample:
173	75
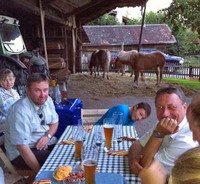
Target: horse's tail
92	62
108	60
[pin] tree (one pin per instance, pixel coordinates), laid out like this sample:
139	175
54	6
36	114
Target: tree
183	13
105	20
154	18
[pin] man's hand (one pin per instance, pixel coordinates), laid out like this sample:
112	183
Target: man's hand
167	126
42	144
135	165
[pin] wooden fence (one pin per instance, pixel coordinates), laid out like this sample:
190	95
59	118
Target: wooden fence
181	71
171	71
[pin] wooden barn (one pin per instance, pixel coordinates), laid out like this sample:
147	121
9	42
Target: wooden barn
116	38
56	26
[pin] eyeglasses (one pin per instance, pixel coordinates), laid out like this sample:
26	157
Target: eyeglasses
42	122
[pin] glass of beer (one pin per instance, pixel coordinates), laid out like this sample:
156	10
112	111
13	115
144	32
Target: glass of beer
77	136
90	157
108	126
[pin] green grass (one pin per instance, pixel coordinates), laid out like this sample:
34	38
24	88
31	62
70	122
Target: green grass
193	84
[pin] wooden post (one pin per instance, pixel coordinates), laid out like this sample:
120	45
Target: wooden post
66	50
42	14
141	31
74	43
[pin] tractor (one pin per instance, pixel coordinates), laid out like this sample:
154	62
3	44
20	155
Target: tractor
14	55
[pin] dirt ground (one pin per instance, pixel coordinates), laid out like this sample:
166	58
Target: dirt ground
103	93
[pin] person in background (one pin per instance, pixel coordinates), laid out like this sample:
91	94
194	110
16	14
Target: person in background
130	114
31	123
169	138
8	96
187	166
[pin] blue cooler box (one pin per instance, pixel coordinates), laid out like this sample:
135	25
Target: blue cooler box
68	114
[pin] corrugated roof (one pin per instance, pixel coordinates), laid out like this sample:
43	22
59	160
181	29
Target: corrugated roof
129	35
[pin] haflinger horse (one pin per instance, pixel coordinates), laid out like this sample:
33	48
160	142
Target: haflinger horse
125	58
153	61
100	59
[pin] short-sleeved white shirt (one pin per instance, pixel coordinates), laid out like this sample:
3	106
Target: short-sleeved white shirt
24	124
172	145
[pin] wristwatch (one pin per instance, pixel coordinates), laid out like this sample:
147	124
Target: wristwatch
48	135
158	134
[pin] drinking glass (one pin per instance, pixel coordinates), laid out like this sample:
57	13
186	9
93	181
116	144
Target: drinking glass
118	118
108	126
85	126
77	135
89	162
98	134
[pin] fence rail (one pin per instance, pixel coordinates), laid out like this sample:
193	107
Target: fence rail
170	71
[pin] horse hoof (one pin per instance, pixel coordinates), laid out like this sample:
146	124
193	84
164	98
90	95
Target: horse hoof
158	84
135	85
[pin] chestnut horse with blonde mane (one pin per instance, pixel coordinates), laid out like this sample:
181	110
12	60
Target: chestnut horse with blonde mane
141	62
153	61
100	59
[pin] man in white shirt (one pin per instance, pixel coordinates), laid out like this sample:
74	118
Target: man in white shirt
31	123
169	138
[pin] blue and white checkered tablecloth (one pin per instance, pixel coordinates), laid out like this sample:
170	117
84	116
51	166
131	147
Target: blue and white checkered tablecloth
64	155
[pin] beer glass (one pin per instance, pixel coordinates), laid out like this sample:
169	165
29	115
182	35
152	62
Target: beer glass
108	126
118	118
89	158
77	135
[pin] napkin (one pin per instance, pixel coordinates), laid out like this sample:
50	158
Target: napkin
128	139
118	152
68	141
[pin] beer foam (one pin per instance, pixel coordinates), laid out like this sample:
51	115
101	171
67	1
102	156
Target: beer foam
108	126
89	162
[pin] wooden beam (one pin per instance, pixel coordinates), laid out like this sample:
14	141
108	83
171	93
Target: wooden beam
46	3
36	11
83	8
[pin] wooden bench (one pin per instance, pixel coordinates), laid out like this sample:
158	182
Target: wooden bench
92	115
16	174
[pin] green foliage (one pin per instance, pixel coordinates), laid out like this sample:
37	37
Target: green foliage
154	18
134	22
105	20
184	13
186	39
193	84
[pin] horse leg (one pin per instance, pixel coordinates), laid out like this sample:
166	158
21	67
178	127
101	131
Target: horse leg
95	72
122	68
158	73
131	72
142	76
136	78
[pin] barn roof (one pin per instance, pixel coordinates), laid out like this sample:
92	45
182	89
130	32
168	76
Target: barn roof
59	11
129	35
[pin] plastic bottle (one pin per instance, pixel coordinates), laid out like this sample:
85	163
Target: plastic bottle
52	88
64	93
57	95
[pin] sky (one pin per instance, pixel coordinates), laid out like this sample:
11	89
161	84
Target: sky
152	5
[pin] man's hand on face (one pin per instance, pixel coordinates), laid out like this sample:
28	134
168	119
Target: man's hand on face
167	126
